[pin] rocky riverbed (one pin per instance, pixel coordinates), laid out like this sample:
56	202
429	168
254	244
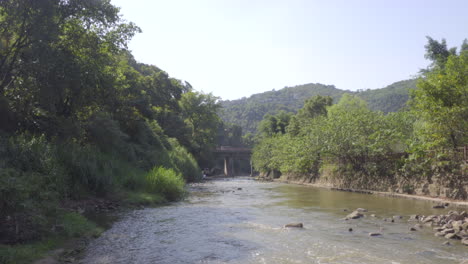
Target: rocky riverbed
451	226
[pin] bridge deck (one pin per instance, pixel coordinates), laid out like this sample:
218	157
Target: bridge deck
227	149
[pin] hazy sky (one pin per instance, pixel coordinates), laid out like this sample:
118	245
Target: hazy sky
235	48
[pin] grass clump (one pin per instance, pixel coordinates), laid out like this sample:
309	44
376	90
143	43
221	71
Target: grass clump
166	182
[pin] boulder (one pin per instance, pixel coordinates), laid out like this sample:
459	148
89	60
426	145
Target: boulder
465	241
452	236
295	225
413	229
354	215
429	218
463	234
439	234
446	226
414	217
438	206
454	217
457	226
448	231
465	226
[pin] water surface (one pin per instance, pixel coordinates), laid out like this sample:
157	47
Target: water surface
240	221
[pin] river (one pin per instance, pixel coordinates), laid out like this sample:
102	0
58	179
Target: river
240	220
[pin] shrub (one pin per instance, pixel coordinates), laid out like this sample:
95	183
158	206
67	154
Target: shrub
166	182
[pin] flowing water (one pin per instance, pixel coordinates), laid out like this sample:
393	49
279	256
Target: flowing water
240	221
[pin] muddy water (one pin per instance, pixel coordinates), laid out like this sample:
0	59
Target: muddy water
220	223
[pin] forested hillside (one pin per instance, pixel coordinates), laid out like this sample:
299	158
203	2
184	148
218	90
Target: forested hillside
248	112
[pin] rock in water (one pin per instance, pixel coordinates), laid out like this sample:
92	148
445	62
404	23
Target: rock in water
354	215
414	217
375	234
430	218
296	225
452	236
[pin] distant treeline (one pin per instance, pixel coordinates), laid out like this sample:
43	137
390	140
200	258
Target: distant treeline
248	112
354	146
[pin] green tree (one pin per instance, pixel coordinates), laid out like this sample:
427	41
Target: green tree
438	52
59	60
199	111
313	107
441	102
274	124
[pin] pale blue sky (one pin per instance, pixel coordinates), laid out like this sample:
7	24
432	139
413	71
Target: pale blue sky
235	48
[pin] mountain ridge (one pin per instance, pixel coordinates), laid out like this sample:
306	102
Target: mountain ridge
247	112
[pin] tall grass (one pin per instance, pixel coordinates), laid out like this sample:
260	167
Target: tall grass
166	182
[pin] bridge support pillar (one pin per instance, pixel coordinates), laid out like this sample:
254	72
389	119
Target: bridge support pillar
228	166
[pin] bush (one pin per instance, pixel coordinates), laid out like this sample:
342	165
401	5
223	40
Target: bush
166	182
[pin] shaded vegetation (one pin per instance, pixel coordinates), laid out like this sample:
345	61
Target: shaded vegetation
81	118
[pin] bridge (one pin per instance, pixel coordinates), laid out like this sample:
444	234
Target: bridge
230	154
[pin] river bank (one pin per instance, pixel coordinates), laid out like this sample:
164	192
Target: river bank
81	221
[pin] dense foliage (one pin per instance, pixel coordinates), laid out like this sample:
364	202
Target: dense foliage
80	117
248	112
351	145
